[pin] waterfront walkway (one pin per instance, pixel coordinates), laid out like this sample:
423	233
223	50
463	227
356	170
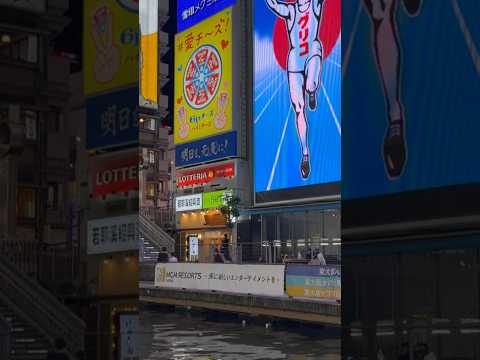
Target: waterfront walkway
317	311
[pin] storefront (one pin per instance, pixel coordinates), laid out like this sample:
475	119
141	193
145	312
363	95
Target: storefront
201	225
299	232
411	294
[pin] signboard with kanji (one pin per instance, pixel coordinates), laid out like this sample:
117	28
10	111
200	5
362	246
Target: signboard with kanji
206	150
203	79
188	202
191	12
319	282
265	280
112	119
112	234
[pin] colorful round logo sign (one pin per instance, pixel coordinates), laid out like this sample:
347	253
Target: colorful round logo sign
202	77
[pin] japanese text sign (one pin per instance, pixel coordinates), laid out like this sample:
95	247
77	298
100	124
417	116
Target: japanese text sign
308	281
191	12
213	148
215	199
203	79
241	279
112	234
188	203
110	39
112	119
201	176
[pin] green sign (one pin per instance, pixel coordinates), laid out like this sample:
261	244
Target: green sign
215	199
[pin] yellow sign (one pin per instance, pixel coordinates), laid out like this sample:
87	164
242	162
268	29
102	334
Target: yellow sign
148	53
203	79
110	45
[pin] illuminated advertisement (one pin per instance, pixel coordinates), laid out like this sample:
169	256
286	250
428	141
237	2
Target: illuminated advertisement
422	129
112	234
203	79
115	176
188	202
319	282
148	54
215	199
202	176
112	119
297	93
110	43
191	12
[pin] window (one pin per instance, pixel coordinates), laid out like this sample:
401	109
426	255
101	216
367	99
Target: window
161	187
19	46
150	190
30	118
54	196
26	203
151	157
149	124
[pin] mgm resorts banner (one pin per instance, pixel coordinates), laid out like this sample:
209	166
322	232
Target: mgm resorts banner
308	281
265	280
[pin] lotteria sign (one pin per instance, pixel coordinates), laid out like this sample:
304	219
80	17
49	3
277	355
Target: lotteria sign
205	175
116	176
208	200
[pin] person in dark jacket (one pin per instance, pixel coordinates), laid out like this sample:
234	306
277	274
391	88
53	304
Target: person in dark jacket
163	256
226	247
60	352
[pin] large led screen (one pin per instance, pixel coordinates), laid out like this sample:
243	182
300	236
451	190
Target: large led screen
411	94
297	97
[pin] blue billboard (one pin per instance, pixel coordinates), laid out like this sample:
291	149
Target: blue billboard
411	94
191	12
209	149
112	119
297	97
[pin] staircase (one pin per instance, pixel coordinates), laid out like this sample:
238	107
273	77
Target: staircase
154	237
26	343
35	317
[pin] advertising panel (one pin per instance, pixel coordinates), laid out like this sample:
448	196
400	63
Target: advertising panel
297	94
191	12
148	96
188	202
215	199
129	330
203	79
110	43
309	281
116	176
112	234
37	6
202	176
214	148
422	128
265	280
112	119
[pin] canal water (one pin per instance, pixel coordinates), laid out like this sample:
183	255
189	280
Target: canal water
200	336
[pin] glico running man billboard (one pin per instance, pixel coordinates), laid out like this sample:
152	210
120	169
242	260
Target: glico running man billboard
203	79
297	101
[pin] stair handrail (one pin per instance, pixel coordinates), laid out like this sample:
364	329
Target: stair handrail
40	308
146	226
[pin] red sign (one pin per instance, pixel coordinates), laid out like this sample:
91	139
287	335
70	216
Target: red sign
116	176
205	175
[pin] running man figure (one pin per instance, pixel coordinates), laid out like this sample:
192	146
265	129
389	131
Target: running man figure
304	63
387	52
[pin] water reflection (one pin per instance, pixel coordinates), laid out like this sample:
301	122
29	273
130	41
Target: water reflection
183	336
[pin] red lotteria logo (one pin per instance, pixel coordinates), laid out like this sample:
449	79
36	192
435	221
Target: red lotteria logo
130	5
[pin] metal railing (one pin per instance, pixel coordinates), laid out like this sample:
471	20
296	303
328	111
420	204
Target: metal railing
163	217
267	253
4	339
50	266
155	234
37	305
